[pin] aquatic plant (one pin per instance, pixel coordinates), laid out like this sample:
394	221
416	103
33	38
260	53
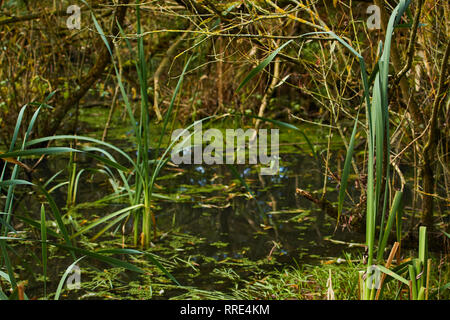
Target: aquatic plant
16	152
378	186
145	169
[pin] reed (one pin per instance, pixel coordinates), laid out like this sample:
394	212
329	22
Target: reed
63	238
146	170
378	170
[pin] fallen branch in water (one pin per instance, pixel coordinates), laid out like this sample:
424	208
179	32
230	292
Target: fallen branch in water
354	217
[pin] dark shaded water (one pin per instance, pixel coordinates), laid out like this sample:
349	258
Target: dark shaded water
213	221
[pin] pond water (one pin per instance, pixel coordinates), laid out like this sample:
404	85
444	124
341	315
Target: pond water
212	233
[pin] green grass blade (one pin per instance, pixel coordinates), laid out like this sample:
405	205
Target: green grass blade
52	178
31	125
100	257
37	225
7	263
172	102
339	39
17	128
106	218
3	295
165	156
106	161
87	139
393	274
15	182
423	255
110	225
36	152
57	215
64	277
119	79
44	248
412	277
346	171
150	256
262	65
421	294
392	214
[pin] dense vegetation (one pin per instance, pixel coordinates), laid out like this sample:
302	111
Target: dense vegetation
86	180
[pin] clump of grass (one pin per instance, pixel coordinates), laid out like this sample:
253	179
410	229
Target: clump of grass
145	170
310	282
378	169
62	238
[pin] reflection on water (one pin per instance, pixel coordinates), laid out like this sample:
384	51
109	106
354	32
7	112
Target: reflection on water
276	225
213	205
226	212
